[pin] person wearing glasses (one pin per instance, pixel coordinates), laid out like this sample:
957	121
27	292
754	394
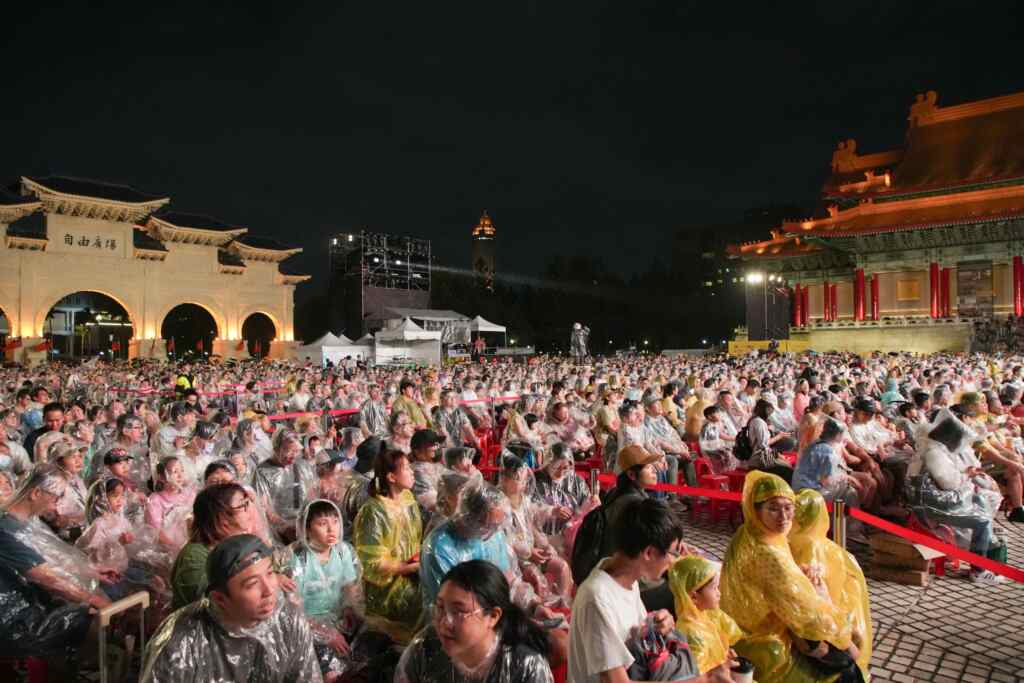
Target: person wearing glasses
476	633
768	595
219	511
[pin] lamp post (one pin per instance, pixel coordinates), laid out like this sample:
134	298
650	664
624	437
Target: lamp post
757	278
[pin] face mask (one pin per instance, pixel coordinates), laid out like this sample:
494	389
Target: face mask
207	448
5	462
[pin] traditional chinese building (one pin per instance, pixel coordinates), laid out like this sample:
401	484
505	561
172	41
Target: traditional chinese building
913	245
66	235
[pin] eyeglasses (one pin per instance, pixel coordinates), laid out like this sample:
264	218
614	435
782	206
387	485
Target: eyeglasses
450	616
244	507
788	510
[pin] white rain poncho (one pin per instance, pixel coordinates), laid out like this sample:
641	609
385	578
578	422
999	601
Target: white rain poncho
330	591
942	493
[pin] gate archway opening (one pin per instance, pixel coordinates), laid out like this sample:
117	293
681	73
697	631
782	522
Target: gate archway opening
5	330
258	331
192	330
86	324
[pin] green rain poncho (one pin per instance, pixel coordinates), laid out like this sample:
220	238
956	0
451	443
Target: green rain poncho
385	531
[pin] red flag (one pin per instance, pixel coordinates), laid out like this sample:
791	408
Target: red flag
115	346
45	346
241	345
199	345
13	344
170	345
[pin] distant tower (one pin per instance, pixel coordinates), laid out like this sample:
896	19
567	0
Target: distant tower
484	236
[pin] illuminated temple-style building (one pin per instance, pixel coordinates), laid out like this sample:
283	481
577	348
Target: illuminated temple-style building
912	245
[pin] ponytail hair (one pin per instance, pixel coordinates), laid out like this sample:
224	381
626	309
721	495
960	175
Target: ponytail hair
384	464
488	584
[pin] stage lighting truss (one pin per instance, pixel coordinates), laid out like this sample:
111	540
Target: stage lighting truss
379	260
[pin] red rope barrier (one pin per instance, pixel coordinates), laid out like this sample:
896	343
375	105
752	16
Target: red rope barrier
935	544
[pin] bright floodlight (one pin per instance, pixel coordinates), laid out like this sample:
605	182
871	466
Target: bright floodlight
755	278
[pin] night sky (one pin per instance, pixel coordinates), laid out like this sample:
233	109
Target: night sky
597	127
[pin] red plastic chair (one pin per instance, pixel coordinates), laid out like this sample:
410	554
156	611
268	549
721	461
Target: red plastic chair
736	479
714	506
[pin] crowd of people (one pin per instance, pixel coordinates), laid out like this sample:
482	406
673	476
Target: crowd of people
299	523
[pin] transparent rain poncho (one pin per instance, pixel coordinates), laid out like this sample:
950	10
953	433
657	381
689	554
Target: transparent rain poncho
388	531
64	560
810	545
939	490
104	542
769	597
711	633
194	644
331	592
474	533
285	488
425	661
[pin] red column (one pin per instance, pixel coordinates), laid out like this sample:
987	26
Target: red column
933	280
1018	286
805	298
874	296
944	309
833	306
826	297
858	294
796	302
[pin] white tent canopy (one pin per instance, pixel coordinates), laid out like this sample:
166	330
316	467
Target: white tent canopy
407	331
333	349
408	342
326	340
478	324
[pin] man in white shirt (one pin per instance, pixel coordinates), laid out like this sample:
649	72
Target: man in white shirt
608	605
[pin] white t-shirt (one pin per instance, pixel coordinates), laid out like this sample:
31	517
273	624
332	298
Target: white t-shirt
603	614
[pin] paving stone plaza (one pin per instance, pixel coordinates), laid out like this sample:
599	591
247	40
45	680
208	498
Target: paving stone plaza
950	630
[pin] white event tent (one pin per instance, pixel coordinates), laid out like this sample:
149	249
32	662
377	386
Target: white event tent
334	348
407	342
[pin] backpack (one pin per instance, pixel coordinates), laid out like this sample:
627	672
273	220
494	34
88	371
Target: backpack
586	551
743	449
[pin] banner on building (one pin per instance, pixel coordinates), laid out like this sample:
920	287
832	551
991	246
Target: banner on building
974	291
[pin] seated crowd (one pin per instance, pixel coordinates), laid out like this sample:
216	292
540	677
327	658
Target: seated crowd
431	525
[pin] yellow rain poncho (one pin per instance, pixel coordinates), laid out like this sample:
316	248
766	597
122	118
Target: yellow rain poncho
389	531
767	594
710	632
809	543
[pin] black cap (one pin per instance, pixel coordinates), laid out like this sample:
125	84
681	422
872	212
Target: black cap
232	556
366	452
865	404
425	437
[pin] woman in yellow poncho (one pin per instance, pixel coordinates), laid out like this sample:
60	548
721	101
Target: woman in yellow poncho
387	536
710	631
809	543
766	592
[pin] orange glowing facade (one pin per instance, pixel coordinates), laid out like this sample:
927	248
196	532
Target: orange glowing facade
484	235
929	233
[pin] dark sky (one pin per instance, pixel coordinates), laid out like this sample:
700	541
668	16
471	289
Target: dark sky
591	126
